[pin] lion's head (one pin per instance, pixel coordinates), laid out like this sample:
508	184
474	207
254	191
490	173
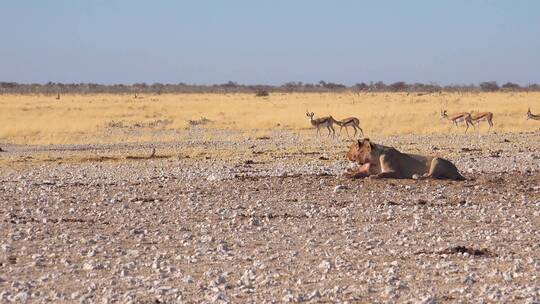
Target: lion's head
360	151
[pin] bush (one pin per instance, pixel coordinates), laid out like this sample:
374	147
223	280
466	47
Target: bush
262	93
490	86
399	86
509	86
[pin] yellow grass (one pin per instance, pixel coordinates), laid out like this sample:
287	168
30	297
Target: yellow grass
38	119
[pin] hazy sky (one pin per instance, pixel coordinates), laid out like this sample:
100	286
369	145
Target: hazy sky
269	42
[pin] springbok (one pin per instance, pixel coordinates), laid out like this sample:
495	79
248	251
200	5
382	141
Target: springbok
351	121
327	121
459	117
532	116
483	116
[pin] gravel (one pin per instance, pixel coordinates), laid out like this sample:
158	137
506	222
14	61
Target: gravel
246	220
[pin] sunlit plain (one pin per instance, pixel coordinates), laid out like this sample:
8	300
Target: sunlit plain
40	119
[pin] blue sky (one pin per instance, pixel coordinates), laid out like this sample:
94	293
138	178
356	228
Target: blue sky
269	42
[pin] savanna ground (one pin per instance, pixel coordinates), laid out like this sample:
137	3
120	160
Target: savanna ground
249	205
149	118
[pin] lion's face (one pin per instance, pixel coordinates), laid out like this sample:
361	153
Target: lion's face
360	151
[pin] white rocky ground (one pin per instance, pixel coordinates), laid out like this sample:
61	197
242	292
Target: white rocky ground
268	220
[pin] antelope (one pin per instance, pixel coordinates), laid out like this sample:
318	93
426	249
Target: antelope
327	121
481	116
459	117
532	116
351	121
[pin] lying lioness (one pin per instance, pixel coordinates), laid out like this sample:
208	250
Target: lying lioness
378	161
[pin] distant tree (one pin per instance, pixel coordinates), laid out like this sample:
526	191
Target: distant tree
510	86
8	86
230	84
262	93
331	86
379	86
158	88
489	86
399	86
334	86
54	88
292	84
461	88
533	87
433	87
361	86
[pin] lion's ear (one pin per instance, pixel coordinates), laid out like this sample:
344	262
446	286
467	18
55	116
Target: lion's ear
367	143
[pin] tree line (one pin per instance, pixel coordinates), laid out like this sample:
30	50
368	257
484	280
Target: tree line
54	88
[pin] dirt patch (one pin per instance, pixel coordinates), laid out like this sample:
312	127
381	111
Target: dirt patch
282	225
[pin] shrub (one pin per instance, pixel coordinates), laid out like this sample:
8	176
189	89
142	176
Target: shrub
511	86
262	93
489	86
399	86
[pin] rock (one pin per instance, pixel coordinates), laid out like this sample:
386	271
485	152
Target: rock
251	236
254	221
314	295
212	177
325	265
21	297
247	278
219	298
428	300
223	247
92	266
188	279
339	188
289	298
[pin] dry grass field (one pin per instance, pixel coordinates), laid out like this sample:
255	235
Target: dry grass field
251	206
38	119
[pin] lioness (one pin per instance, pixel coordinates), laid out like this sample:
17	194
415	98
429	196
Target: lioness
378	161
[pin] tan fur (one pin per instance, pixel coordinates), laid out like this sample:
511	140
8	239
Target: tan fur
483	116
378	161
350	121
459	117
530	115
327	122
